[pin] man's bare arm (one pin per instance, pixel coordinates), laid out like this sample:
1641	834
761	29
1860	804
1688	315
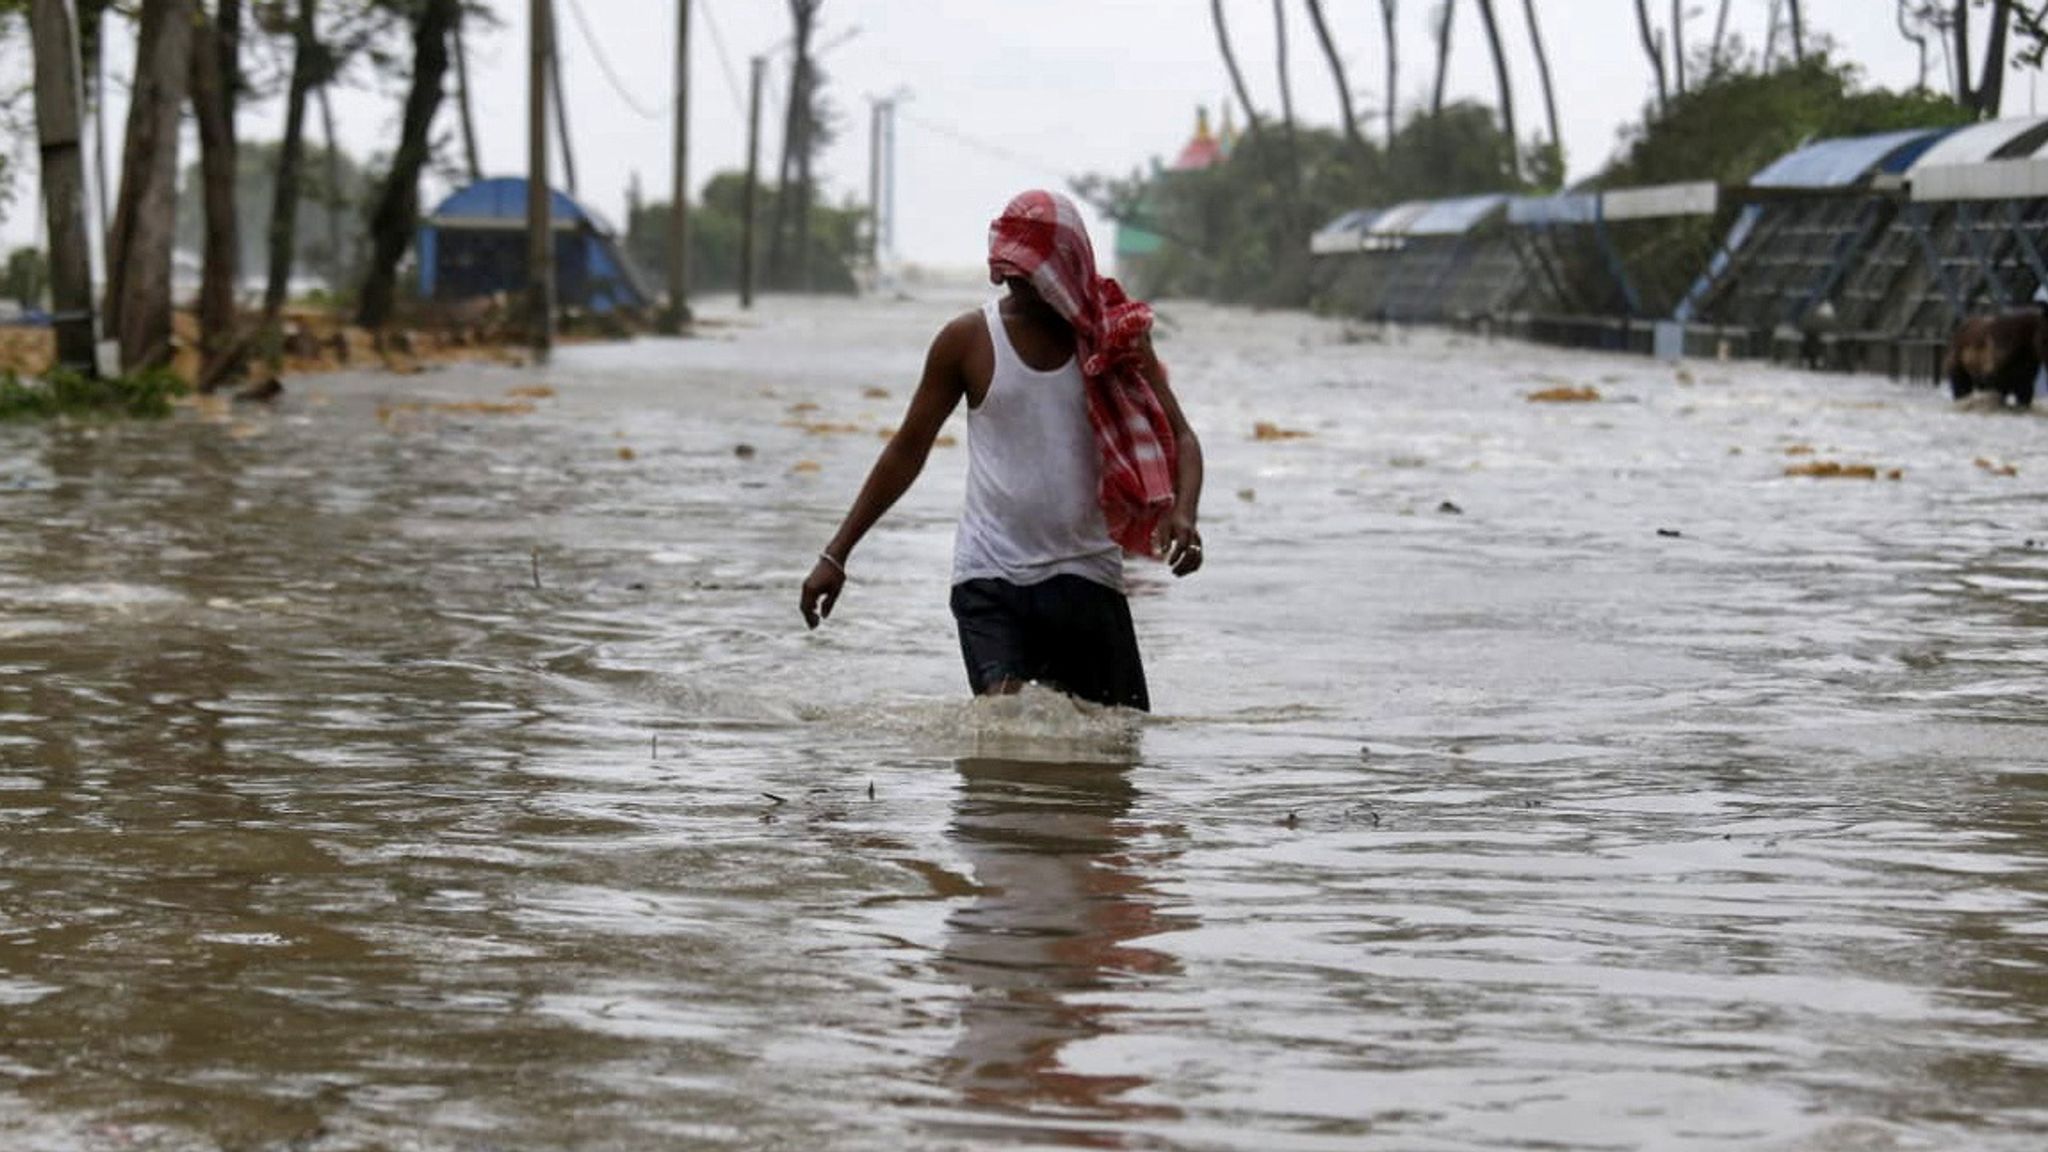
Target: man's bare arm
1180	544
938	393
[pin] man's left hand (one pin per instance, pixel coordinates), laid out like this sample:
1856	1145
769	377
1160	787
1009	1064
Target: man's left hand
1180	545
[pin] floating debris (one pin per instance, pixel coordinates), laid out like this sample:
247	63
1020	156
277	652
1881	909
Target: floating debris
1267	430
1565	395
1997	468
531	392
1450	509
802	407
875	393
1835	470
805	467
625	453
823	428
743	451
1670	533
1799	450
1247	495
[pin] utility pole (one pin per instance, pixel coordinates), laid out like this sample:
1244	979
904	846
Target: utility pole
679	193
875	114
561	107
57	125
540	230
748	195
882	176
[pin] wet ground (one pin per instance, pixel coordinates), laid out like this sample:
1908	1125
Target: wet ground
406	768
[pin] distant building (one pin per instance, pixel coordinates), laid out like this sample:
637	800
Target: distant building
474	245
1136	245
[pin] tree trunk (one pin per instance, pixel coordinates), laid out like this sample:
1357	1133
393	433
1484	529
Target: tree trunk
284	198
1914	35
139	255
1991	88
1543	71
1654	49
795	140
1505	85
469	150
58	122
214	74
1244	95
1959	26
1288	135
806	188
337	243
398	206
1678	46
1344	102
1443	56
1389	17
1721	36
1798	32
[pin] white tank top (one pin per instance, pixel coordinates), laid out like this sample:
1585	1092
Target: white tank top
1033	471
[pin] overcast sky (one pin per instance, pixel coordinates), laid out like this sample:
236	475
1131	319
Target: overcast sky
1008	94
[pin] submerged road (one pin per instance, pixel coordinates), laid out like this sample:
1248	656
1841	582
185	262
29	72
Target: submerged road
439	762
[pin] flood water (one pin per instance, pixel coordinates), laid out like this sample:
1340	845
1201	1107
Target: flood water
1525	775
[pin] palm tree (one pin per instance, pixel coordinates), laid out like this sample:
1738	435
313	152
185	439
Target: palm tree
1543	70
1287	132
1443	54
1244	96
1653	47
1505	85
1389	14
1678	44
1988	93
1344	102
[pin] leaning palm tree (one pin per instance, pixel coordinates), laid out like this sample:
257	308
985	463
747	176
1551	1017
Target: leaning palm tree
1445	22
1506	86
1287	132
1543	70
1390	11
1244	95
1344	102
1653	47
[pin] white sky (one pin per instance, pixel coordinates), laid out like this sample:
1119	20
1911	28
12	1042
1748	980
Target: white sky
1047	87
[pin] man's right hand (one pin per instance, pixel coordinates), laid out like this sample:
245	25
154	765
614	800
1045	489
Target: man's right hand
821	591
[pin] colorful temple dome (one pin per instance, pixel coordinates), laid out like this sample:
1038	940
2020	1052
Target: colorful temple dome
1206	149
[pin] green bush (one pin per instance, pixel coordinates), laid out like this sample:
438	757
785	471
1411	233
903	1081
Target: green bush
66	392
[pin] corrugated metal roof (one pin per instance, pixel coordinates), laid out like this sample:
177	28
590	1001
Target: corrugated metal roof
504	198
1399	220
1547	211
1456	217
1976	143
1849	160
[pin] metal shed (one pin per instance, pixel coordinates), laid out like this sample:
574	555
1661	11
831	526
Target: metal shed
1424	259
1812	215
474	244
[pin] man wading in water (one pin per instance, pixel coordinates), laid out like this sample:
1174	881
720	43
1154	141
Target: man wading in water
1076	453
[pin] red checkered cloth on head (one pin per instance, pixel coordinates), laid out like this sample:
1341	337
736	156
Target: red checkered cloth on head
1040	239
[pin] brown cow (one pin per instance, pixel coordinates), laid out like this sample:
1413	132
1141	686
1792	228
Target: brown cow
2001	354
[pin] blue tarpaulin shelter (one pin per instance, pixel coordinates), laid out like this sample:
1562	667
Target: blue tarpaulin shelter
474	244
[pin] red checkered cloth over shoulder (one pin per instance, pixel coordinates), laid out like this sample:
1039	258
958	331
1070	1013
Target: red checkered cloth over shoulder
1041	239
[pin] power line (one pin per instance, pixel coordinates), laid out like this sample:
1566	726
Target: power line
605	66
732	79
995	151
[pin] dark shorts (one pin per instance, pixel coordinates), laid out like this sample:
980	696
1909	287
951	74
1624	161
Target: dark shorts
1068	632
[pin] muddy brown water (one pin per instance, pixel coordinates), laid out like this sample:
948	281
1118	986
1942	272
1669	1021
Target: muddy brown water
1526	775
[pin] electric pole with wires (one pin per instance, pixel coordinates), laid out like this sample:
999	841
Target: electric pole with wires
678	315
